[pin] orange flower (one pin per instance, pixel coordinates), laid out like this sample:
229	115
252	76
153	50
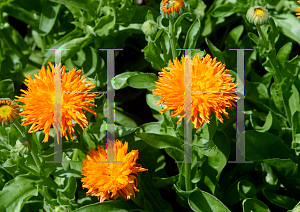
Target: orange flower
9	111
208	79
298	10
171	8
111	180
39	101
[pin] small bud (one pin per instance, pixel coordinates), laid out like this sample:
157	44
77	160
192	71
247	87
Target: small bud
171	8
23	145
9	111
258	15
149	27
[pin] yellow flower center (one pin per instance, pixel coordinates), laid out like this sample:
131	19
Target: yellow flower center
172	3
5	111
259	11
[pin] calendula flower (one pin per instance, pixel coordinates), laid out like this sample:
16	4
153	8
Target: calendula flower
171	8
257	15
298	10
9	111
213	85
39	100
111	180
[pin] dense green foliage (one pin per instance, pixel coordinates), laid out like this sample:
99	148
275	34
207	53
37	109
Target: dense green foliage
28	29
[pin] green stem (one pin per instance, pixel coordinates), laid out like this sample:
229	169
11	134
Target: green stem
36	158
19	127
30	170
261	34
188	180
75	155
172	37
272	58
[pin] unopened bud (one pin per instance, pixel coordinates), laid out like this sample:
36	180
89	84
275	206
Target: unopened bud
257	15
23	145
149	27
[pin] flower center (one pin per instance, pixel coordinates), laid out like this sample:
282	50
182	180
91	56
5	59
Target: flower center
5	111
172	3
259	11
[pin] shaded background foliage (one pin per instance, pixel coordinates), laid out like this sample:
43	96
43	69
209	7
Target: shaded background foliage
29	28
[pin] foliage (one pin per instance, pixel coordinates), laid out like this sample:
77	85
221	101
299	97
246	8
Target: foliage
30	29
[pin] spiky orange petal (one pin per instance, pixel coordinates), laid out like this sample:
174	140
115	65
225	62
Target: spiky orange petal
40	95
111	180
208	75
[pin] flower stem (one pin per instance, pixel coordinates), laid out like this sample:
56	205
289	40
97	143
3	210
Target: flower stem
272	58
172	37
19	127
188	181
30	170
36	158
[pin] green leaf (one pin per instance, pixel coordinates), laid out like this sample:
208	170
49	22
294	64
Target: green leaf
192	35
212	167
17	192
215	51
74	46
149	16
207	147
117	206
152	194
208	131
152	55
283	201
246	189
152	101
294	100
177	27
273	33
296	123
201	201
48	17
125	119
254	38
89	138
105	24
287	172
250	205
119	81
270	123
70	190
163	182
258	93
87	5
284	53
226	10
263	146
142	81
286	23
234	35
161	141
6	88
21	14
